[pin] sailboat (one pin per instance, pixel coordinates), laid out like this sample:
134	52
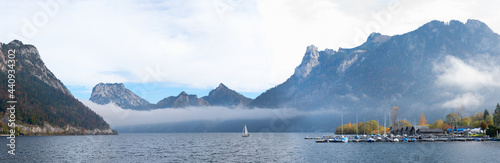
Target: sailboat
245	132
344	139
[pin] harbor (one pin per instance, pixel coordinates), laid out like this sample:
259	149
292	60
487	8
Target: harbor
397	138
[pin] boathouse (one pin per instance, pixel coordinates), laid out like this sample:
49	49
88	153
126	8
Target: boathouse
434	131
411	130
414	129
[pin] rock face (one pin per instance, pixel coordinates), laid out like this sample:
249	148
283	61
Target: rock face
42	99
223	96
407	70
182	100
30	61
104	93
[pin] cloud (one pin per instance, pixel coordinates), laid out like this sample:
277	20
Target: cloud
470	82
116	116
468	100
251	45
476	74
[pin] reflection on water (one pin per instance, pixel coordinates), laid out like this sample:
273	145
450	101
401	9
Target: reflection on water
231	147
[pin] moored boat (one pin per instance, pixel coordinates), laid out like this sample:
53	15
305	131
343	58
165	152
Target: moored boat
345	139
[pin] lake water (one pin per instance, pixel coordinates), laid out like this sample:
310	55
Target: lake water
231	147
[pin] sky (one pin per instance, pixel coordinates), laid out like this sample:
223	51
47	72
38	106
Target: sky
160	48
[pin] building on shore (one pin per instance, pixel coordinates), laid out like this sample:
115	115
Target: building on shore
412	130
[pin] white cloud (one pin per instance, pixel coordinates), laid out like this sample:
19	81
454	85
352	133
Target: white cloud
116	116
469	100
251	45
472	76
471	83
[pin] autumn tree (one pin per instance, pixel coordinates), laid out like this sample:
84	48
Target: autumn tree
465	121
437	124
478	117
476	124
422	121
452	117
394	115
446	126
483	126
489	120
403	122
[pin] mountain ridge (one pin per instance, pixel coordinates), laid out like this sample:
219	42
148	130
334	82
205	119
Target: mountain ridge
104	93
44	105
117	93
382	72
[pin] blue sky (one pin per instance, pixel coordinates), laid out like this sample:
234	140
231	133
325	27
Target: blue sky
193	45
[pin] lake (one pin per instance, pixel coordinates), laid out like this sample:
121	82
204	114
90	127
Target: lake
232	147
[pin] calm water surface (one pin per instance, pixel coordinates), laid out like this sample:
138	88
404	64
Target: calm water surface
231	147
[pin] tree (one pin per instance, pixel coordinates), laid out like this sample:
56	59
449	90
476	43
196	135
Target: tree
403	122
445	127
422	121
486	113
483	126
492	131
452	117
437	124
465	121
476	124
394	115
496	115
478	117
489	120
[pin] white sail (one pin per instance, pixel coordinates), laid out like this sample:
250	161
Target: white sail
245	132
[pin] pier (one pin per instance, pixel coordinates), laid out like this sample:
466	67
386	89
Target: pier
395	139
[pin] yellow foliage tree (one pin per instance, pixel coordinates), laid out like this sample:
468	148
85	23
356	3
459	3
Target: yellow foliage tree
422	121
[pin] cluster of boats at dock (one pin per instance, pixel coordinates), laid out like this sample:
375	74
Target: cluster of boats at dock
393	138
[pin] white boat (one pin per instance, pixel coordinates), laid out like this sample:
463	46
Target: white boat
345	139
395	140
245	132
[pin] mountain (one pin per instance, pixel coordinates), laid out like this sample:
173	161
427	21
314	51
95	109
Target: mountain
223	96
44	105
116	92
418	70
182	100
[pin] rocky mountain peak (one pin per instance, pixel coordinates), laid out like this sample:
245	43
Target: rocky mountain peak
181	101
222	86
29	61
309	61
104	93
476	25
223	96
